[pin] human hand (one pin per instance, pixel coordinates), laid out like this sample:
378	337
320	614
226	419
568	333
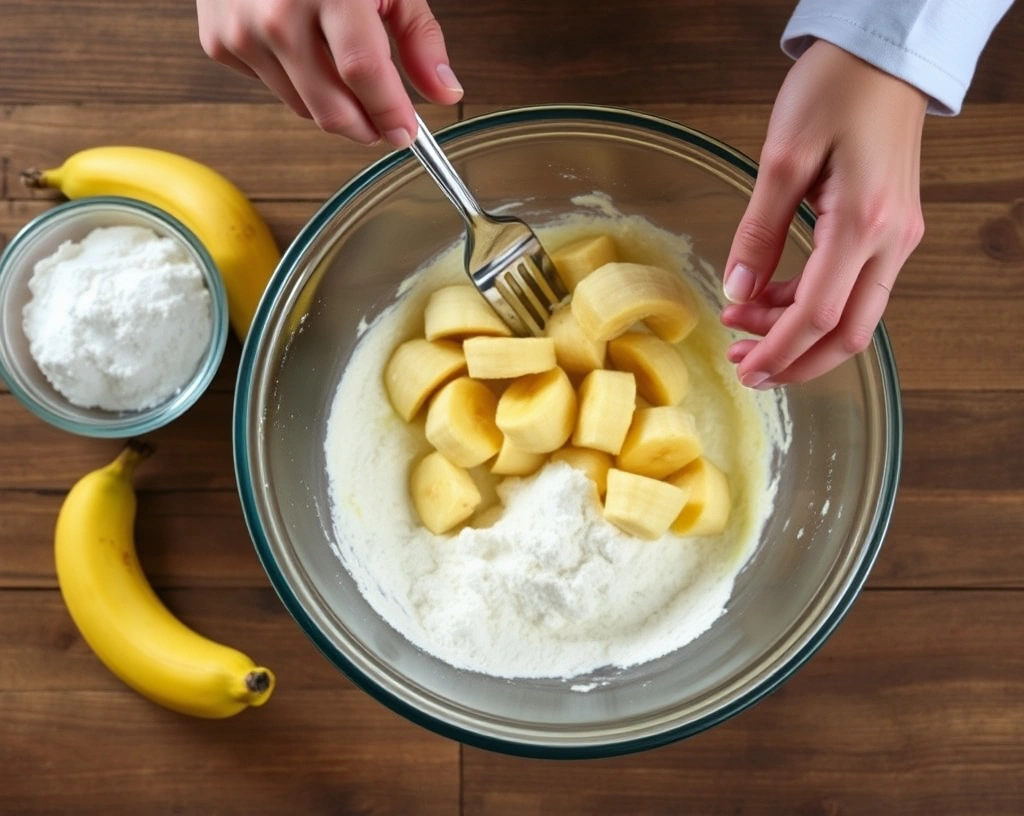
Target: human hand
847	137
330	60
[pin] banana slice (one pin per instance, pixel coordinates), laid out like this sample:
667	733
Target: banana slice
576	260
443	494
594	463
614	297
607	400
661	440
512	461
416	369
460	311
708	500
499	358
661	375
641	506
460	422
537	412
575	352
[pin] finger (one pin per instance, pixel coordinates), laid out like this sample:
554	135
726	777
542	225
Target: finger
782	181
739	350
818	306
778	293
361	53
332	105
420	43
752	318
265	66
854	334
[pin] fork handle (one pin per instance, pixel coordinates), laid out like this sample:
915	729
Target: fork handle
429	152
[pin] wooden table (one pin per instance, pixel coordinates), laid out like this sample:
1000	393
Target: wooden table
915	705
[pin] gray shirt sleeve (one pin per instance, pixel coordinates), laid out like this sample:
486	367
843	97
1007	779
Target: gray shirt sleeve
933	45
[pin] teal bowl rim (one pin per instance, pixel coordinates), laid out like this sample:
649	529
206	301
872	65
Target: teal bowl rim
125	424
883	513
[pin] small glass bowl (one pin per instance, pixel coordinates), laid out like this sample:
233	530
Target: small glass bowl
40	238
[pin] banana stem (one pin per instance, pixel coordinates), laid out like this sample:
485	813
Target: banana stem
34	179
135	450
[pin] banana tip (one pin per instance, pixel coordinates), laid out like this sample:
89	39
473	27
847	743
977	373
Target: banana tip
33	179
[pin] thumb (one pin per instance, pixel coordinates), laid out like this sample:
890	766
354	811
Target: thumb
421	49
761	234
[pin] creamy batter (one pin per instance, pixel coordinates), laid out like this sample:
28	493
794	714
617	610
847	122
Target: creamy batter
538	584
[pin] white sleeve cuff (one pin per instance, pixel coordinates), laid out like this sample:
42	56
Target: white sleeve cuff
933	45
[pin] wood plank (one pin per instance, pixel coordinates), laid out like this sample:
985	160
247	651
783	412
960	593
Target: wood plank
268	151
76	739
271	153
509	52
187	538
895	715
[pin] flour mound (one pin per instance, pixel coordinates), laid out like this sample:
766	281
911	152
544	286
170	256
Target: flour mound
119	321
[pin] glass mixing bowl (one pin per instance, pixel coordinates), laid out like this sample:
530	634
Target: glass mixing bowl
837	479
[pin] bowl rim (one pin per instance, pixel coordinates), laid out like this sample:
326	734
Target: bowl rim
129	423
891	409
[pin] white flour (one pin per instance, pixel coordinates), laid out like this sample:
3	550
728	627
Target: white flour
118	321
548	589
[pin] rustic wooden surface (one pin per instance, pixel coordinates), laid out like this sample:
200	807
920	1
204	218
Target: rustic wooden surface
915	705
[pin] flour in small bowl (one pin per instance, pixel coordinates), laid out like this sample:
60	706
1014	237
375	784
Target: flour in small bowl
120	320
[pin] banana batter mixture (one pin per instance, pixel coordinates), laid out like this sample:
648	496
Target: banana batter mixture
541	585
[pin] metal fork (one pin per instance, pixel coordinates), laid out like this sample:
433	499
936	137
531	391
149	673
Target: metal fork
504	258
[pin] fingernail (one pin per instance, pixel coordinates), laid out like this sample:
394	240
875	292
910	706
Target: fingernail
739	284
398	138
448	79
754	378
766	385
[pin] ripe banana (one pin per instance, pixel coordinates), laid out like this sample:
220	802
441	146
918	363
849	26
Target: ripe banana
576	260
707	502
416	369
121	617
443	494
607	400
615	296
661	375
595	464
457	312
574	351
661	440
537	412
500	358
641	506
460	422
511	461
219	214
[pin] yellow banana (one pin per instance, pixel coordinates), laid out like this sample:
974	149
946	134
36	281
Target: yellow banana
121	617
219	214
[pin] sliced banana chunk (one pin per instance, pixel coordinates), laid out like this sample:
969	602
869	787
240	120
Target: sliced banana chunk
641	506
460	422
460	311
443	494
416	369
537	412
512	461
708	499
499	358
577	259
594	463
660	441
607	400
617	295
661	375
574	351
